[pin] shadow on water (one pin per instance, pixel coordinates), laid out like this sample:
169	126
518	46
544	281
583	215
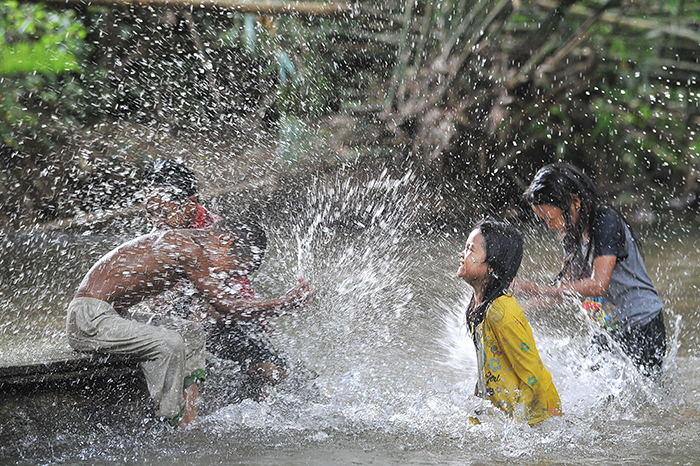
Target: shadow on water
57	421
386	337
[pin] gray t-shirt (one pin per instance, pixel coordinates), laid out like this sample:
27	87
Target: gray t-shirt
631	299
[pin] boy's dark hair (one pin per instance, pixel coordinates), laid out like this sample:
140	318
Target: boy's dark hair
250	240
556	185
504	252
172	177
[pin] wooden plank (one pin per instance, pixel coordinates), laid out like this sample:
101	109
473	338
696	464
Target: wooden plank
63	363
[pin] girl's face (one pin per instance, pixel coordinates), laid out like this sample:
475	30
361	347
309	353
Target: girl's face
472	261
554	217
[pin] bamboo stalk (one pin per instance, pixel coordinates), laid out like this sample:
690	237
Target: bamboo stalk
581	34
500	12
423	36
464	26
207	65
255	7
403	56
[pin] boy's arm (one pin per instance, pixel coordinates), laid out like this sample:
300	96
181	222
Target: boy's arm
198	269
227	305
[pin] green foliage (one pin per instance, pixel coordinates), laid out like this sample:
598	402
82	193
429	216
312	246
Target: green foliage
290	52
34	39
475	85
45	56
38	47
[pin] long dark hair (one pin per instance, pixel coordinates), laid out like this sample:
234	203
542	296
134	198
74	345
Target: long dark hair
504	252
556	185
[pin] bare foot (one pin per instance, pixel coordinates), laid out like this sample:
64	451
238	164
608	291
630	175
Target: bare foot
190	413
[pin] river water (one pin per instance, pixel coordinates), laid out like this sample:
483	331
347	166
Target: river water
386	336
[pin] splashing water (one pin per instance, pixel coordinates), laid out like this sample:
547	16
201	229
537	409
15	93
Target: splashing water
396	370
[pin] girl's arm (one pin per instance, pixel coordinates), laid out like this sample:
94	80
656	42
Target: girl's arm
596	285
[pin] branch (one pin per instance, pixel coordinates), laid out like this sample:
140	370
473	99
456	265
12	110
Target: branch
581	34
536	39
403	56
256	7
632	23
501	10
207	65
456	36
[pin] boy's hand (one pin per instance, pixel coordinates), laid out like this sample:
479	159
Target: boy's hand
300	295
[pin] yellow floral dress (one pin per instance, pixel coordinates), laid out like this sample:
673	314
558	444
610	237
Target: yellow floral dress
510	368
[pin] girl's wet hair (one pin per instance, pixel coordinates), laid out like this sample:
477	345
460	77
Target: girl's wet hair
172	177
556	185
504	253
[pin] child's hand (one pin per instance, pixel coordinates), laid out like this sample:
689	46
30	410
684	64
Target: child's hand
300	295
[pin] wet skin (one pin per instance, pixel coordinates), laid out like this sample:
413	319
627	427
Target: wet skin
473	268
552	216
150	264
595	285
163	211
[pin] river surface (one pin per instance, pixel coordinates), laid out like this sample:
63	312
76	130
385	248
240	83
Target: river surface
386	336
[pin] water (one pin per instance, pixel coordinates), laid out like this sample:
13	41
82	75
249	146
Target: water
386	336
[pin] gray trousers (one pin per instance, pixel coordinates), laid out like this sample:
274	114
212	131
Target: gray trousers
168	348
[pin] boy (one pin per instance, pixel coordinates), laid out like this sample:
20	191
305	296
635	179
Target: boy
170	191
144	267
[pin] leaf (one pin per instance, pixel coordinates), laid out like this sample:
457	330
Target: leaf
26	57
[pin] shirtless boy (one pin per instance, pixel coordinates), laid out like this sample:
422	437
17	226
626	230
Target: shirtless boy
171	202
98	319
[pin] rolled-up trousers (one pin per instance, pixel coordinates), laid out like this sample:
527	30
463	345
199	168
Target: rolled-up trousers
167	348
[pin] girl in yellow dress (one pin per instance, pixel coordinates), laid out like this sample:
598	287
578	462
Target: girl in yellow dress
510	368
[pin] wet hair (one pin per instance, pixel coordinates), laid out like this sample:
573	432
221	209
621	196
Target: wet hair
556	185
504	252
172	177
250	240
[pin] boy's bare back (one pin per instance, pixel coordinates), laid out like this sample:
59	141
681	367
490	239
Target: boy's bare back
141	268
150	264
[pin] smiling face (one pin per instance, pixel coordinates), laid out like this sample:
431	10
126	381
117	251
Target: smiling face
472	261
